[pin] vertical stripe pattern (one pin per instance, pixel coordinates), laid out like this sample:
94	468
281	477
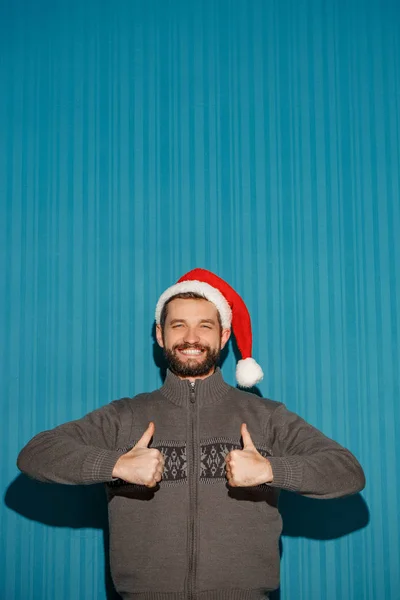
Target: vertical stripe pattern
260	140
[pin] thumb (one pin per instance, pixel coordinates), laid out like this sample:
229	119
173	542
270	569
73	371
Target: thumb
146	437
247	441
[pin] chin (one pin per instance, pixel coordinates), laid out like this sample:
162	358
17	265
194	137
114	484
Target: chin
192	363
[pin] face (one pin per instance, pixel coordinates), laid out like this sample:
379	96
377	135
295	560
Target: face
192	339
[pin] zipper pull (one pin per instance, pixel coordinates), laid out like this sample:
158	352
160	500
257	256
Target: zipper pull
192	392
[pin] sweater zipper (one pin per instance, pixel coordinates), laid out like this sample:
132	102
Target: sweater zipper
192	493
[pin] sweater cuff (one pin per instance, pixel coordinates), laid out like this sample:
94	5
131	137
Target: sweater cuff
99	465
287	472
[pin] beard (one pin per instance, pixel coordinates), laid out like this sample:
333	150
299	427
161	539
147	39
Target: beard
192	367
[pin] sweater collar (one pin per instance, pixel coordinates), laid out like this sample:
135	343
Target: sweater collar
207	391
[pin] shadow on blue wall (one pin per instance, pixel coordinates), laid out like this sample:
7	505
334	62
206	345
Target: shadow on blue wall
86	507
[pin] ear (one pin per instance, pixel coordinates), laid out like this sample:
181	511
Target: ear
159	336
225	335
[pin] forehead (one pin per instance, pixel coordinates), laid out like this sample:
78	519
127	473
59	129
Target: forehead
191	308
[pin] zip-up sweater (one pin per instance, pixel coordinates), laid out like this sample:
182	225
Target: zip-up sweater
193	537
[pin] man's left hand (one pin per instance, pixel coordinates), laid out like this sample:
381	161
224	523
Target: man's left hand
245	468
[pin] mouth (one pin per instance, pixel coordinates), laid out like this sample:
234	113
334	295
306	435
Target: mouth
190	352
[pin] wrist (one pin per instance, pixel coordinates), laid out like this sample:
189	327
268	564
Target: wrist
268	475
116	469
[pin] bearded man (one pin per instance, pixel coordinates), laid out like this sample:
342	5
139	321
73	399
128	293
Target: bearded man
193	470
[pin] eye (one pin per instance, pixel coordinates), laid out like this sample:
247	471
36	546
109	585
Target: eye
176	325
207	326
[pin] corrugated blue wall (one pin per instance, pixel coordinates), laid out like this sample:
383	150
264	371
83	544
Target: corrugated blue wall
259	139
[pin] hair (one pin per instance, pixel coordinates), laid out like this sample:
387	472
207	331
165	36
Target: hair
183	296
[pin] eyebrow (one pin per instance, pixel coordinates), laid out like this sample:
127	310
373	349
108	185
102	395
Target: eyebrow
173	321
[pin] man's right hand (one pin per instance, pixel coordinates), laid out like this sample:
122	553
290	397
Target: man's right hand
141	465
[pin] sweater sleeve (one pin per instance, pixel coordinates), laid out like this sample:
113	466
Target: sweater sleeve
79	452
308	462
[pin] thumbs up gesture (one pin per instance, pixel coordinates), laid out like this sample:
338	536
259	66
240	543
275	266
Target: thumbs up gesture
246	468
141	465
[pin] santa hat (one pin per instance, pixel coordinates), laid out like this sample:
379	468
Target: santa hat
233	313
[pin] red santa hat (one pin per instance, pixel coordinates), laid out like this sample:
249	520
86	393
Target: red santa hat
233	313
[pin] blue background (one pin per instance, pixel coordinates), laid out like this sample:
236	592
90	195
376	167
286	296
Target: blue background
258	139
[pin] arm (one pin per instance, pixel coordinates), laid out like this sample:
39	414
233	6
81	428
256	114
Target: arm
308	462
79	452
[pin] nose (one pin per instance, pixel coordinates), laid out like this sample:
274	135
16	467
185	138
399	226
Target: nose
191	335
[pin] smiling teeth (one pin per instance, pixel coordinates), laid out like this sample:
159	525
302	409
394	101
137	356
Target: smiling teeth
191	352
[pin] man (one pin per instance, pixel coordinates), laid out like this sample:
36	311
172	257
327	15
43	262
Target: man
193	470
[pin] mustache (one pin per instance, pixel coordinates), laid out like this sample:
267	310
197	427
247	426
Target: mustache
187	346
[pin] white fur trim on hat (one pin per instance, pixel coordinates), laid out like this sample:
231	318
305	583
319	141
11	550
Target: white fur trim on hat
248	372
203	289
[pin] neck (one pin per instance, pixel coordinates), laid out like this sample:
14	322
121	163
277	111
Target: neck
209	390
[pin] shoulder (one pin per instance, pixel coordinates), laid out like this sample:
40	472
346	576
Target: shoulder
253	400
135	402
128	401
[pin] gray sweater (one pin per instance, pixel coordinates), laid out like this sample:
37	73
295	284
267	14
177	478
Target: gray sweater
193	537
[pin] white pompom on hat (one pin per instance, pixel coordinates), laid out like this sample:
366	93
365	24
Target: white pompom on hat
233	312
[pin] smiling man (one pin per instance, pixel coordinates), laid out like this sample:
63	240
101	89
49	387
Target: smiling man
191	336
193	470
